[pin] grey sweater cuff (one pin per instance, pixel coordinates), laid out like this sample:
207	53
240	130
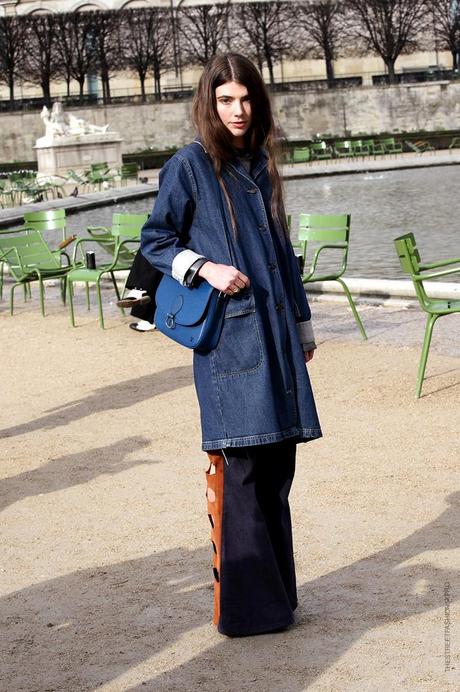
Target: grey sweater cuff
306	336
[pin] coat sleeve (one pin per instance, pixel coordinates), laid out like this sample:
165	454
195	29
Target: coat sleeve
303	312
165	234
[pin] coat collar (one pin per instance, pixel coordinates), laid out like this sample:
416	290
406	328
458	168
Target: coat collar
260	161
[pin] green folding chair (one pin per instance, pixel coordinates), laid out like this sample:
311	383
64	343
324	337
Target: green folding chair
409	258
122	242
327	232
343	148
391	146
129	171
360	148
320	151
29	259
301	155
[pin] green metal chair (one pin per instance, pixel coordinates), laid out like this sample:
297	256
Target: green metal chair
80	180
391	146
374	147
29	259
129	171
409	258
320	151
331	232
343	148
300	155
99	174
455	142
360	148
122	242
49	220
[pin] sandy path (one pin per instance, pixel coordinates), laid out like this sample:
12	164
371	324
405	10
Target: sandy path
105	578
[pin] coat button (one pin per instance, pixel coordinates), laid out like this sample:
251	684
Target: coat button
262	227
272	266
252	190
279	307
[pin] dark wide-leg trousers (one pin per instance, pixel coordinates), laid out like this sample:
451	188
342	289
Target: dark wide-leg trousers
253	562
143	275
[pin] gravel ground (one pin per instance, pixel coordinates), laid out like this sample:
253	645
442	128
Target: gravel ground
105	577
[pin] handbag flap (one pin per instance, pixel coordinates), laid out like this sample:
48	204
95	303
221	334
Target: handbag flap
186	305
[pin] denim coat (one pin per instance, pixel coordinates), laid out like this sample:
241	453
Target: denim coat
253	388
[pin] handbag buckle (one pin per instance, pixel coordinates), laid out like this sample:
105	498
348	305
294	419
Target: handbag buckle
170	320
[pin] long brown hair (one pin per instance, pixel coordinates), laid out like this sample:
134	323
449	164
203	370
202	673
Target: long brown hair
216	138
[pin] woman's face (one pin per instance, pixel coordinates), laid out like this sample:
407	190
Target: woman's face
234	109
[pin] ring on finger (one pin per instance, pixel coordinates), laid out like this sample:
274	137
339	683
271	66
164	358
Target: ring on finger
236	290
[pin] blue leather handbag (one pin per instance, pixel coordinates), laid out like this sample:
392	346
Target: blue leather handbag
191	316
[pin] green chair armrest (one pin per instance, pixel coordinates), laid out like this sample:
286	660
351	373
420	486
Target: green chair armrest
436	275
441	263
334	246
82	241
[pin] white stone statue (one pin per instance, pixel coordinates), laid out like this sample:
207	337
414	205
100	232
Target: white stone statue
60	124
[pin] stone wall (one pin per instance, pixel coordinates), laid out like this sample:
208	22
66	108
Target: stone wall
373	110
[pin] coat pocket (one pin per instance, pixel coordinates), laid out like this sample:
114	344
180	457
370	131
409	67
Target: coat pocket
239	350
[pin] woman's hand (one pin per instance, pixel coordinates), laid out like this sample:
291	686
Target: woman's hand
224	277
308	355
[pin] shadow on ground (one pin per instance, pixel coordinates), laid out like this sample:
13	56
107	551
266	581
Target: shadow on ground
90	627
72	469
109	398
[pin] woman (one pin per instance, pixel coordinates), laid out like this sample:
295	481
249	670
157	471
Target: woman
219	216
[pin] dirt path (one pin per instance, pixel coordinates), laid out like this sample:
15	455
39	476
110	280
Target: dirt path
105	579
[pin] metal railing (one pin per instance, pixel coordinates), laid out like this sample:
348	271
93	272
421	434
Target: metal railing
132	95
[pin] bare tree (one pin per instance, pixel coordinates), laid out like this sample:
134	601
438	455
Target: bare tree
75	46
145	38
41	58
106	36
12	33
322	24
265	28
446	26
389	27
162	48
204	29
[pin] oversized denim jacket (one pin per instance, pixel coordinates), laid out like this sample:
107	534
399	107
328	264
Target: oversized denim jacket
254	387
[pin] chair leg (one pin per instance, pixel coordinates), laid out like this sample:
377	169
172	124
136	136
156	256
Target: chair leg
42	295
63	289
353	308
431	319
71	308
99	301
12	297
88	303
1	280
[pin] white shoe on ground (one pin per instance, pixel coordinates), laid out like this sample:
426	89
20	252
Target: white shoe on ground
142	326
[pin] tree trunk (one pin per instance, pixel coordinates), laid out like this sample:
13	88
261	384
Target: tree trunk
45	84
81	83
390	63
105	79
268	57
68	79
11	88
142	81
329	71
